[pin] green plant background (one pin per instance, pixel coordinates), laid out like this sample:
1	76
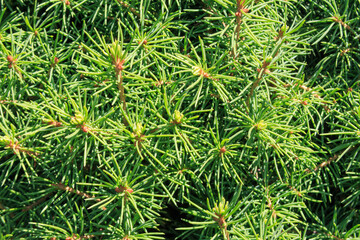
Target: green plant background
179	119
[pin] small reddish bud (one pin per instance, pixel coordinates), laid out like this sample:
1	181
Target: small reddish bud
10	58
119	65
123	189
206	75
85	128
10	66
349	89
245	10
258	70
67	2
143	42
36	33
56	60
119	68
222	150
55	124
304	103
238	14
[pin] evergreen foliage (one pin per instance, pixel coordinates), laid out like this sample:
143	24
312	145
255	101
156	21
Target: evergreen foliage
179	119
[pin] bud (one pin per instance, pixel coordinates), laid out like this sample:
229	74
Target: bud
10	58
260	125
221	208
78	119
222	150
138	129
56	60
119	65
178	116
284	28
268	59
115	50
85	128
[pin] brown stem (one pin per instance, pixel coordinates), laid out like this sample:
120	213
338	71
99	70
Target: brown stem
7	101
263	70
306	89
34	204
133	10
18	71
17	148
87	236
327	109
336	19
2	207
122	95
239	13
77	192
331	159
334	237
69	189
295	190
222	224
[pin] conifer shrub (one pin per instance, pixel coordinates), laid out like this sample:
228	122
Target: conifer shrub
179	119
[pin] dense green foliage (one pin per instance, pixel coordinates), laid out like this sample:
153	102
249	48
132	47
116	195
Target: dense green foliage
179	119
